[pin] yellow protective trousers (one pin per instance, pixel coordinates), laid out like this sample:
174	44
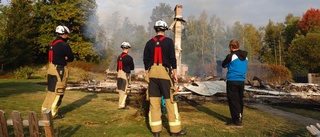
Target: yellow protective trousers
122	87
57	80
159	85
52	102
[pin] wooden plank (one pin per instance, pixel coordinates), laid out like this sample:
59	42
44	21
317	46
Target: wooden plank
26	122
44	123
33	124
49	129
3	125
17	123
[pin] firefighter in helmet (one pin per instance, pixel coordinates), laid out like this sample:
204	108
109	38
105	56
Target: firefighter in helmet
160	64
124	67
59	53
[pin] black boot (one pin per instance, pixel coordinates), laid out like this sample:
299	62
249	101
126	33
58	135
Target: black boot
181	133
156	134
58	116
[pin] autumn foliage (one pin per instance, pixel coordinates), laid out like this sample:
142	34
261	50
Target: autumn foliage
309	21
276	74
87	66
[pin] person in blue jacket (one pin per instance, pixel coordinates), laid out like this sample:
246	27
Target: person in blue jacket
236	61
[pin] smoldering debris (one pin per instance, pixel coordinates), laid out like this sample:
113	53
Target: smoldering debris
106	86
208	90
204	88
303	90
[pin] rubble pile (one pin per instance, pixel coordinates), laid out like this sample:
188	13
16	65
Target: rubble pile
294	89
300	87
107	86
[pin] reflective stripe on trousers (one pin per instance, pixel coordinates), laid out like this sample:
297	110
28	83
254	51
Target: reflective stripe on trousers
177	121
160	72
52	102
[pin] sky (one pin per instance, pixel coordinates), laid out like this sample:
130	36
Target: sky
256	12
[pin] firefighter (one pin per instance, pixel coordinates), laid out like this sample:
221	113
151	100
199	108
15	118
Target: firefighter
160	63
59	53
124	67
236	61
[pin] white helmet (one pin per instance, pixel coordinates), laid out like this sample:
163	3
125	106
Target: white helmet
62	29
125	45
160	25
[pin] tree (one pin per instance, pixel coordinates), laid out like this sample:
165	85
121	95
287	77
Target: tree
112	24
124	30
304	54
112	27
250	39
3	36
140	39
252	42
17	34
290	30
78	16
203	41
164	12
203	46
272	43
190	41
289	33
237	31
217	38
310	21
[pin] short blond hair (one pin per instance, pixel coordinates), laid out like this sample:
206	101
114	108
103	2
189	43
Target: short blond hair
234	44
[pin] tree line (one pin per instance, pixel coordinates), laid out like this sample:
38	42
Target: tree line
27	27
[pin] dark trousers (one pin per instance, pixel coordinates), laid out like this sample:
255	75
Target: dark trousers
235	99
159	88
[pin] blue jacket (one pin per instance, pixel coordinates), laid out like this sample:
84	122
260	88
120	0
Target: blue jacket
237	63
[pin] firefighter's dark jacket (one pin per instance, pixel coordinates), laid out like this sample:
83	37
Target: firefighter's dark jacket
60	51
168	53
127	63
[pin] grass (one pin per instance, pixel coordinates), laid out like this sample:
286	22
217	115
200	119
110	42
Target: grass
90	114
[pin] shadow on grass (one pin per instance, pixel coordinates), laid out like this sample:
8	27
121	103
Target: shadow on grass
78	103
313	106
18	87
195	104
59	131
165	122
67	132
207	110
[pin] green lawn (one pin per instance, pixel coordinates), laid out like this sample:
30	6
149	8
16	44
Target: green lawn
90	114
